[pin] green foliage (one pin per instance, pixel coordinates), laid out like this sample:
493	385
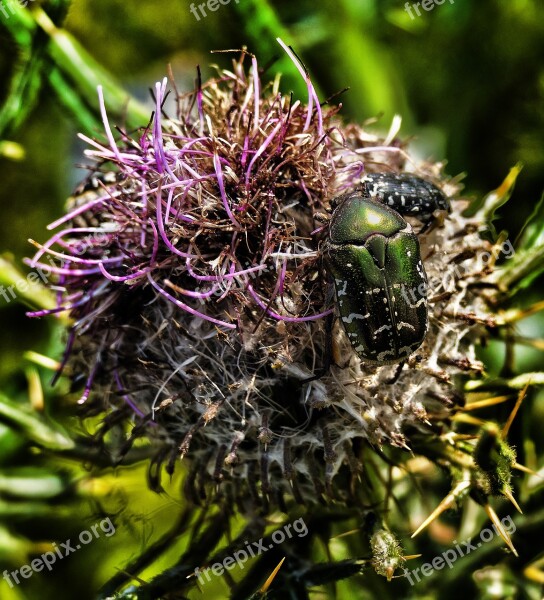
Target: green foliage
468	80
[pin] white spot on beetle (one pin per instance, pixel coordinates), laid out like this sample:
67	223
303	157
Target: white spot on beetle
349	319
341	291
387	355
382	328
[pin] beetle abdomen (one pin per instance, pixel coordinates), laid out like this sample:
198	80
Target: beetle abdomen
406	193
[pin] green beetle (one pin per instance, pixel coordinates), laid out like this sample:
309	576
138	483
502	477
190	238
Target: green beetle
380	281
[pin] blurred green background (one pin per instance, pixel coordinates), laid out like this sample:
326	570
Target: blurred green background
467	78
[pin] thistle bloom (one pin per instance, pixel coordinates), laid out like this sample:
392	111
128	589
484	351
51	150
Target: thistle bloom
190	265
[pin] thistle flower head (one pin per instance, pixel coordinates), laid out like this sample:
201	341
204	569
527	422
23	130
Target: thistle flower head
193	274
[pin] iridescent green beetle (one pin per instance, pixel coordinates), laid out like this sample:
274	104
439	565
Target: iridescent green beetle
374	257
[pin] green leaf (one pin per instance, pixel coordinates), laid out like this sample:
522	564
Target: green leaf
24	419
86	74
495	199
532	232
24	86
27	289
520	271
31	482
73	74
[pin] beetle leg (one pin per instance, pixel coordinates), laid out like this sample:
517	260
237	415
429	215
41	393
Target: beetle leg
436	219
397	373
322	217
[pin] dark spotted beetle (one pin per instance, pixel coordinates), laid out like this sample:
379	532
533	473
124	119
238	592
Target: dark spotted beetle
373	255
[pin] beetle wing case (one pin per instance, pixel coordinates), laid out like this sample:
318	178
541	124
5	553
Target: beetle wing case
380	281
